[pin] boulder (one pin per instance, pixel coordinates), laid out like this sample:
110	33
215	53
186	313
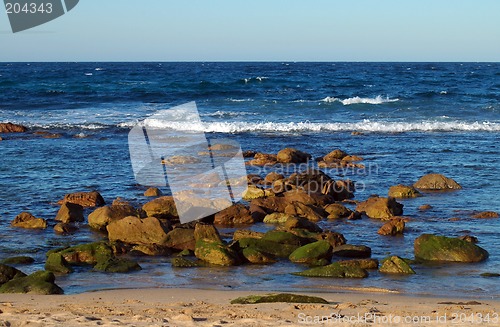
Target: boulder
273	177
283	237
277	218
8	273
310	212
290	155
486	215
335	155
302	223
258	213
85	199
215	253
20	260
117	265
69	213
360	263
162	207
469	238
237	214
103	216
336	211
12	128
334	270
206	232
403	191
253	192
352	251
181	239
311	181
380	208
85	254
268	247
440	248
393	227
255	256
40	282
396	265
152	192
64	229
335	239
28	221
436	182
317	253
56	263
135	230
263	159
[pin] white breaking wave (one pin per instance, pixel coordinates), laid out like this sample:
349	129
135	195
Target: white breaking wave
358	100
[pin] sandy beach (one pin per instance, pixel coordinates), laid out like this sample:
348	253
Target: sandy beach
192	307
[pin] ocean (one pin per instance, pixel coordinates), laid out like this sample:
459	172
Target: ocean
412	119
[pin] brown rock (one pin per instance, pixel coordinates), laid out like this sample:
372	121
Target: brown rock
162	207
335	239
236	214
152	191
70	212
263	159
436	182
403	191
425	207
486	215
352	158
28	221
295	222
310	212
249	154
273	177
335	155
102	216
85	199
258	214
207	233
393	227
12	128
63	228
380	208
290	155
245	233
469	238
134	230
181	239
337	210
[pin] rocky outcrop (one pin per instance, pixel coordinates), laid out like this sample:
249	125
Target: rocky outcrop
440	248
12	128
40	282
403	191
436	182
290	155
69	213
393	227
134	230
380	208
162	207
85	199
237	214
334	270
101	217
396	265
28	221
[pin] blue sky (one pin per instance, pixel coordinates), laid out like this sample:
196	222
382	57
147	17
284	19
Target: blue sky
262	30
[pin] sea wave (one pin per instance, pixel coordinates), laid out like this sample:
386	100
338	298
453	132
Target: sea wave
358	100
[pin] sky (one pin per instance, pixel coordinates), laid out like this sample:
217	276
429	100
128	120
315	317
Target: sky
262	30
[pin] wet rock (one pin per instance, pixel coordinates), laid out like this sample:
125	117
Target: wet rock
393	227
65	229
85	254
268	247
334	270
70	212
380	208
162	207
21	260
403	191
237	214
337	210
352	251
135	230
180	262
360	263
206	232
56	263
486	215
302	223
255	256
40	282
103	216
290	155
273	177
277	218
215	253
245	233
425	207
274	298
263	159
8	273
152	192
396	265
440	248
181	239
313	253
28	221
436	182
85	199
335	155
283	237
117	265
12	128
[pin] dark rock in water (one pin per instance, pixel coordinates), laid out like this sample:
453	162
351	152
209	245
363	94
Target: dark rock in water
380	208
302	223
284	237
436	182
425	207
64	229
162	207
352	251
255	256
181	239
134	230
334	270
312	253
206	232
89	253
308	211
70	212
28	221
283	297
337	210
56	263
21	260
335	155
335	239
486	215
12	128
249	154
360	263
403	191
290	155
263	159
273	177
180	262
392	227
152	191
396	265
215	253
487	274
469	238
237	214
269	247
101	217
8	273
85	199
440	248
117	265
40	282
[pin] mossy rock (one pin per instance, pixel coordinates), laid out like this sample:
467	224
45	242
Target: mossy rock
396	265
403	191
277	218
56	263
255	256
215	253
181	262
21	260
8	273
267	246
90	253
40	282
360	263
284	238
282	297
312	253
429	247
334	270
117	265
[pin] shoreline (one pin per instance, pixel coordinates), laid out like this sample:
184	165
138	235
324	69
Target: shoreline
198	307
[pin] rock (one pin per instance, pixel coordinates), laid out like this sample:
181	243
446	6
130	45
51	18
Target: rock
403	191
206	232
469	238
283	297
152	191
277	218
302	223
380	208
263	159
21	260
237	214
181	239
273	177
425	207
334	270
63	229
352	158
310	212
436	182
313	253
56	263
8	273
337	210
290	155
255	256
352	251
360	263
258	214
249	154
12	128
70	212
150	250
245	233
162	207
135	230
396	265
355	216
215	253
487	274
335	239
268	247
440	248
335	155
312	181
486	215
85	199
180	262
117	265
253	192
88	253
181	160
40	282
28	221
103	216
283	237
392	227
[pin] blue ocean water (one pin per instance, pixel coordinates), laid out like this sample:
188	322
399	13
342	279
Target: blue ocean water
416	118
